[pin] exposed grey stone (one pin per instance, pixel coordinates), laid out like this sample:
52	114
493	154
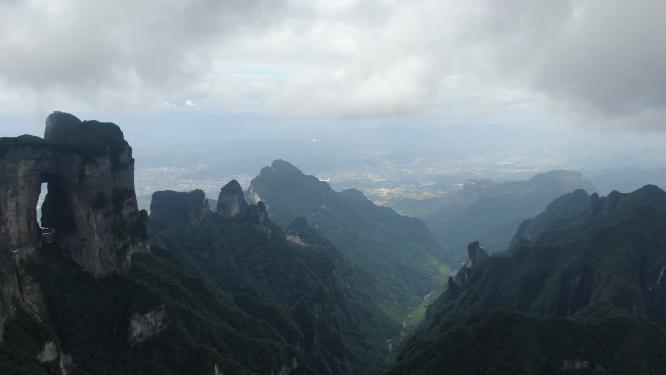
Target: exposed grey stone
294	239
146	325
475	255
231	201
90	204
66	363
49	353
575	365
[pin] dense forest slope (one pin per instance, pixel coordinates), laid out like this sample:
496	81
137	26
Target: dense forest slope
108	290
398	252
294	280
96	296
583	281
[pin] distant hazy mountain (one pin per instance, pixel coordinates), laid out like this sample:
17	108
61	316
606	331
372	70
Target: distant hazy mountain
399	252
583	288
490	212
626	179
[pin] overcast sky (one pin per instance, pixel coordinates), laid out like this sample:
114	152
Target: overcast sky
596	64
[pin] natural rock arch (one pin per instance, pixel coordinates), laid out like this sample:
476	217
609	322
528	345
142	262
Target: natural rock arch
91	203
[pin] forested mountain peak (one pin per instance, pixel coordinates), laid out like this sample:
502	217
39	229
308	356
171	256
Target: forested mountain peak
586	264
377	239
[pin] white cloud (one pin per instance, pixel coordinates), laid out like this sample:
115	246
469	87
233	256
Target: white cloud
600	60
119	54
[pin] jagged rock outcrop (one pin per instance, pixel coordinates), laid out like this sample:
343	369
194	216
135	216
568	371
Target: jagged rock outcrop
91	204
475	255
299	232
231	202
171	210
261	217
146	325
295	239
49	353
175	209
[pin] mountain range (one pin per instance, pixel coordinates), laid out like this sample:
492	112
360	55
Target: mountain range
580	290
291	277
102	288
490	212
399	252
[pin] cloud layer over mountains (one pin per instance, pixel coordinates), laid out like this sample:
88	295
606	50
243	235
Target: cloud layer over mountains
601	60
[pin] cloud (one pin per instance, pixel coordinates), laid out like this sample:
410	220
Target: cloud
608	56
594	62
597	62
118	53
398	88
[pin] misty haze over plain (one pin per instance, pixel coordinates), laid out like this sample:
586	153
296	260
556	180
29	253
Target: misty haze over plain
499	89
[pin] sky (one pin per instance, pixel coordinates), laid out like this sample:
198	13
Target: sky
166	69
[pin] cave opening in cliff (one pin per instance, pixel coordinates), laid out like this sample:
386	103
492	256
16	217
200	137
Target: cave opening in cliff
43	190
56	211
48	235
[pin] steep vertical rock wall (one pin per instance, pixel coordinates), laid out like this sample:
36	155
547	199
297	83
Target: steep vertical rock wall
90	204
231	201
172	210
93	204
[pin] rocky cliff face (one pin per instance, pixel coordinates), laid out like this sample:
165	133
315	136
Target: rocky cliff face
583	249
475	255
20	170
25	162
231	201
582	283
143	326
91	204
172	209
